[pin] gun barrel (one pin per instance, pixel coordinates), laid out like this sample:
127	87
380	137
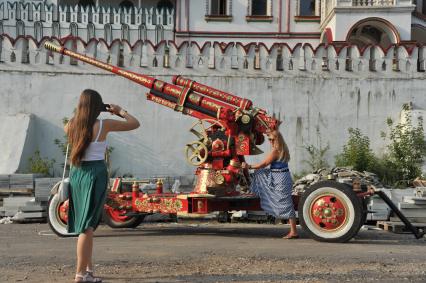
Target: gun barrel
212	92
182	97
137	78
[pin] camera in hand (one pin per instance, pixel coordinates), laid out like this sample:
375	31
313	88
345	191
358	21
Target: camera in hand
105	108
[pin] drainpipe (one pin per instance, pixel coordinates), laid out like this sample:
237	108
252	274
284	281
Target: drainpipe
280	9
288	15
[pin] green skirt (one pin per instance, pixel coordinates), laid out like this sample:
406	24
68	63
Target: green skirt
88	186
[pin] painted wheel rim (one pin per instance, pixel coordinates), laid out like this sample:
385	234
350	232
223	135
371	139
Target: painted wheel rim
63	212
329	212
116	214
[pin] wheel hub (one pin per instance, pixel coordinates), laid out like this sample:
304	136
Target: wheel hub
328	212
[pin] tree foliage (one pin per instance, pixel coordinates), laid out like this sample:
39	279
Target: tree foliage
357	152
40	165
406	150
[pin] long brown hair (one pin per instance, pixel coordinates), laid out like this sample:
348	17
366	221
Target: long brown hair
279	144
81	125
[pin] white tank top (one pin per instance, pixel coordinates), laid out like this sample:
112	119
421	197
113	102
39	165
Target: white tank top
96	149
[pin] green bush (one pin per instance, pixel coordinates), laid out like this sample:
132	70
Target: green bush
40	165
357	152
316	159
62	144
406	150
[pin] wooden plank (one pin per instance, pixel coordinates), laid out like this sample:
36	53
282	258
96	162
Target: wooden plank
397	227
16	191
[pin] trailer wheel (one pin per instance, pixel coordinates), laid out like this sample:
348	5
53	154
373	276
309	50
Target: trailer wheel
57	216
330	212
115	219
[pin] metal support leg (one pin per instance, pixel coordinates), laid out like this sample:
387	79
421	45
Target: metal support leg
418	233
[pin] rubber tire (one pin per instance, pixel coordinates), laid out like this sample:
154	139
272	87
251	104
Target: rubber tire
57	226
345	193
132	222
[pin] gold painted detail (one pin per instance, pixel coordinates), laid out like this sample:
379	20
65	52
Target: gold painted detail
245	119
134	77
211	105
327	212
194	98
219	179
172	90
89	60
159	85
200	204
160	205
52	47
163	102
235	163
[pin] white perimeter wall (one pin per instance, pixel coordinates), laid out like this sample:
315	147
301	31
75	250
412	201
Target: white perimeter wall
307	104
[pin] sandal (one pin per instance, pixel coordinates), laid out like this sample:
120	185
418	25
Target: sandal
289	237
87	278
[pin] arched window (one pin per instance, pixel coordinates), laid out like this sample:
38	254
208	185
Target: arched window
142	32
125	35
85	3
108	33
165	4
38	30
56	30
20	28
159	34
90	31
73	29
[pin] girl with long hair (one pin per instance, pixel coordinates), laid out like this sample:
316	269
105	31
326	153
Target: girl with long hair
274	185
88	175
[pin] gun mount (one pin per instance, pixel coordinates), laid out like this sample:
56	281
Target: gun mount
229	127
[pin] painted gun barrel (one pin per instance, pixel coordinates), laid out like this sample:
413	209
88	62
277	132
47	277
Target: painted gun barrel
229	98
181	96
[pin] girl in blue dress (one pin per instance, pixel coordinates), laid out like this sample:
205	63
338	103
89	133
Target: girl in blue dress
274	185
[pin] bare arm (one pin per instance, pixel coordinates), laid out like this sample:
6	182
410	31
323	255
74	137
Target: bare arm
129	124
271	157
67	126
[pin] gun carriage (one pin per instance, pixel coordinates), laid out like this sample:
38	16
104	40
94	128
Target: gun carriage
228	129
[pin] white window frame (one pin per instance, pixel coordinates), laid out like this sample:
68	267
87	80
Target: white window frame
316	11
228	8
268	8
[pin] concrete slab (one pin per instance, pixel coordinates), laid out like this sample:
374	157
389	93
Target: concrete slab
13	135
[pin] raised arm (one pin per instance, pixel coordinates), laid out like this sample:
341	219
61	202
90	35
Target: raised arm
129	124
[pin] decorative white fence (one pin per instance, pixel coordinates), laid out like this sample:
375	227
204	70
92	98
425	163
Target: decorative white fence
252	58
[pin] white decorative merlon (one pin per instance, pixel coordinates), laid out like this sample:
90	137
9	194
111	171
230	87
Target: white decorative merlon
280	59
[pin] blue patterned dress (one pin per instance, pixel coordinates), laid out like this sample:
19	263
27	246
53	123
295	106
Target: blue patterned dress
274	188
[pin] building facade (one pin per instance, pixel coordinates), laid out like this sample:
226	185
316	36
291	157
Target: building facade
360	22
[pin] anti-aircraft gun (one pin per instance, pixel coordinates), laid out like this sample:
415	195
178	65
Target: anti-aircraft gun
229	128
